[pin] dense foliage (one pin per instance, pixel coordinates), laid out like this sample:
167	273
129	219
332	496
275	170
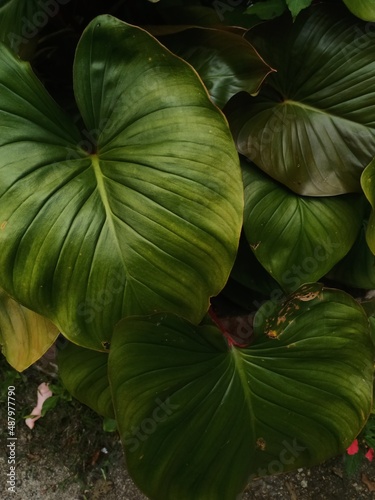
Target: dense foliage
187	195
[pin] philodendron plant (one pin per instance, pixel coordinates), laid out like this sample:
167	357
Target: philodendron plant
195	162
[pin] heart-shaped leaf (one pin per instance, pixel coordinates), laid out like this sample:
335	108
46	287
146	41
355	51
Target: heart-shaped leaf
84	374
199	418
142	215
312	125
24	335
364	9
297	239
225	61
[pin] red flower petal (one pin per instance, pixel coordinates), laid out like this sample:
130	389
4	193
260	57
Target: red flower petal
370	454
353	448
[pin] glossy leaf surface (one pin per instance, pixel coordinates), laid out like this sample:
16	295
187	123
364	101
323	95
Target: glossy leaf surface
190	407
140	212
225	61
312	127
297	239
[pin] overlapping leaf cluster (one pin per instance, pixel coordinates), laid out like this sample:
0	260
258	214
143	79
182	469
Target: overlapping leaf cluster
120	221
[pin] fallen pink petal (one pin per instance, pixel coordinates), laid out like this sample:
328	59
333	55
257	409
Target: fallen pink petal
353	448
370	454
44	393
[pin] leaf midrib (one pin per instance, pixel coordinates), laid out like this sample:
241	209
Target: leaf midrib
241	373
107	207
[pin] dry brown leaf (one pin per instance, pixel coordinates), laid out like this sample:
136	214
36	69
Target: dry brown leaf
370	484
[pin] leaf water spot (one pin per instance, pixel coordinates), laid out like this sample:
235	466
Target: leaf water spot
261	444
98	25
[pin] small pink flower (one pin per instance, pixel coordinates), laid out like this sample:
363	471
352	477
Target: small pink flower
44	393
370	454
353	448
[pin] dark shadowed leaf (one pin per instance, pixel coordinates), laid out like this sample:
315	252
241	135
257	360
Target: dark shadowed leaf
22	20
190	407
267	9
357	269
312	126
225	61
84	374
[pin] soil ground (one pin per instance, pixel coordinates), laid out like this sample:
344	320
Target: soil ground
68	456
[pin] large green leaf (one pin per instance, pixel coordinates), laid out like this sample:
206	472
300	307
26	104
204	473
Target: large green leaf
142	215
297	239
225	61
199	418
312	126
84	374
24	335
365	9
